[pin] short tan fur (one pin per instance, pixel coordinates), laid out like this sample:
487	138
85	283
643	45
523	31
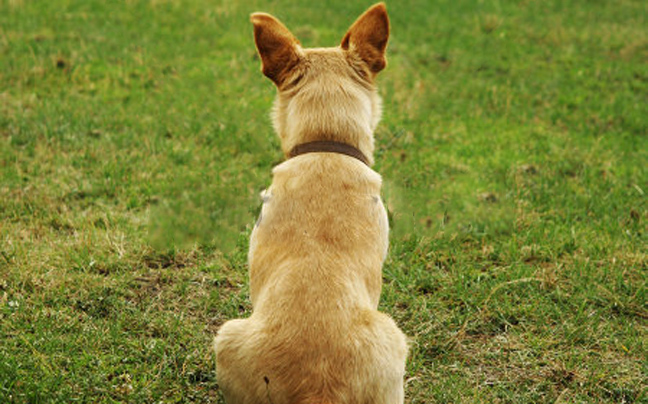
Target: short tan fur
316	254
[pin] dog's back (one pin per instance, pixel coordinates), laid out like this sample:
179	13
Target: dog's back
315	335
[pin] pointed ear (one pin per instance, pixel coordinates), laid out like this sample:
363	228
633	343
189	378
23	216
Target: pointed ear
368	37
276	45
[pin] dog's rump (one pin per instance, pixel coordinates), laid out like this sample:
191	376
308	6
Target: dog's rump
323	360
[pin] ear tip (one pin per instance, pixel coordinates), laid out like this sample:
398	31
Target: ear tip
379	7
258	17
378	11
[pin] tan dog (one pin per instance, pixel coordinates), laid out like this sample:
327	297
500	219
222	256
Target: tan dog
315	335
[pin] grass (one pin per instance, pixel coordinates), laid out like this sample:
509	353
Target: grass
134	139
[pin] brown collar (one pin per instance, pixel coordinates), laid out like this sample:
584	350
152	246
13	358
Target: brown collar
328	146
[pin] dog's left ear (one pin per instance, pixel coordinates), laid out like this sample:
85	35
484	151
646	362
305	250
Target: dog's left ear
368	37
277	46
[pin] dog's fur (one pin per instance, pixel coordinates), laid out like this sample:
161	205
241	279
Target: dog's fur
315	335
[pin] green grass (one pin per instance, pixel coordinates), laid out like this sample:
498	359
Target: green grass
134	138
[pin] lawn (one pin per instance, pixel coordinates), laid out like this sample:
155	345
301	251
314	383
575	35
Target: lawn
135	138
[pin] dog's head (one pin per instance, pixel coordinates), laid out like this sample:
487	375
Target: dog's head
325	93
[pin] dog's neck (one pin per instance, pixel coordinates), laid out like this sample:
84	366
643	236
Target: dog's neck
329	108
328	146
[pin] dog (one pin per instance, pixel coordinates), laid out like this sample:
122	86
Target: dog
315	335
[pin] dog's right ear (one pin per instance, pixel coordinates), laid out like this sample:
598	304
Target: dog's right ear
368	37
277	47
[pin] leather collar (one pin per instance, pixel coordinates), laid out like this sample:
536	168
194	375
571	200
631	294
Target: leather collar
328	146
